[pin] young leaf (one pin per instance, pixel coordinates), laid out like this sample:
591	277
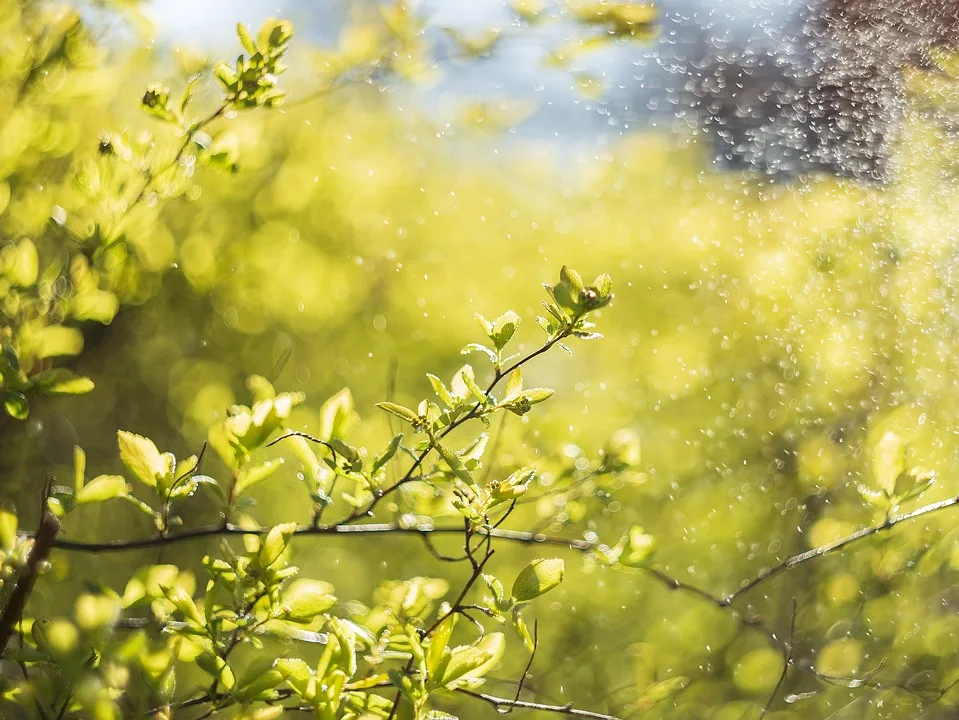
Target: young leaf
537	578
455	463
142	458
251	476
8	529
638	548
403	413
298	675
79	468
384	457
441	391
274	544
104	487
888	462
304	599
60	381
15	404
503	329
514	384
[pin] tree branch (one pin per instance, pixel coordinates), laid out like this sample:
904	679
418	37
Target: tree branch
501	704
43	542
791	562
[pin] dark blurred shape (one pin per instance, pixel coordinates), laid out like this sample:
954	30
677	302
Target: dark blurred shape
827	96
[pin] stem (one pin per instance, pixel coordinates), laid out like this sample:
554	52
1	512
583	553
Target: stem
473	413
44	541
789	563
786	664
500	703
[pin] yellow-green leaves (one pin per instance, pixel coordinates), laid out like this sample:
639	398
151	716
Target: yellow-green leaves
248	428
60	381
637	548
889	461
93	612
252	80
403	413
538	578
104	487
337	416
304	599
274	544
619	19
23	263
8	529
141	456
893	481
519	401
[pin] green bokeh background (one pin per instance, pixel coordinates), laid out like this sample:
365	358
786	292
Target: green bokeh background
764	336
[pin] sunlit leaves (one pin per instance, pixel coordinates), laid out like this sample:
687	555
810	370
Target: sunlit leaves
104	487
142	458
889	460
538	578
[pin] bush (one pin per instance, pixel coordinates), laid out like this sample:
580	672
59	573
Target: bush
783	358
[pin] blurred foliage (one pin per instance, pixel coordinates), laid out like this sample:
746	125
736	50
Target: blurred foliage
781	352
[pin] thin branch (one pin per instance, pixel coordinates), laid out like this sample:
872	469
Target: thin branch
791	562
43	542
150	175
473	412
532	656
786	664
500	704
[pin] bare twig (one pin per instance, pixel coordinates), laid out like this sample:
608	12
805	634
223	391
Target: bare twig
789	563
500	704
786	664
43	542
532	656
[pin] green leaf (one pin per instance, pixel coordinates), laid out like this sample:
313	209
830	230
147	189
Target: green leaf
184	604
58	341
337	416
143	459
259	680
304	599
455	463
101	488
275	543
62	382
464	659
638	548
246	38
888	462
79	468
438	642
15	404
96	611
384	457
250	476
503	328
403	413
298	675
8	529
467	377
571	279
24	266
441	391
514	384
522	403
477	347
603	286
663	690
537	578
98	305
